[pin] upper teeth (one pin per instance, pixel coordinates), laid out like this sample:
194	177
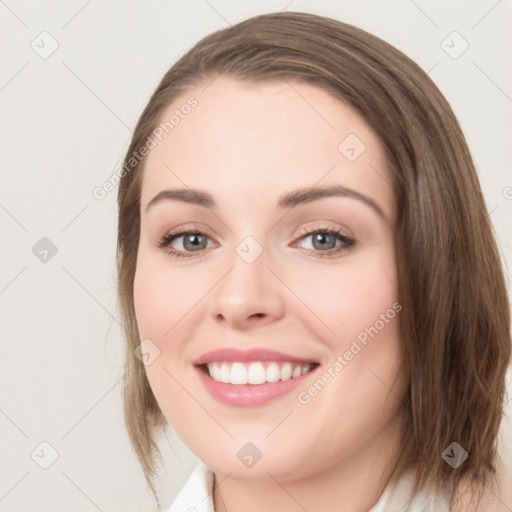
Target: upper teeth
255	373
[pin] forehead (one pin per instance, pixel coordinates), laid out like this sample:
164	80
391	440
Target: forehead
253	141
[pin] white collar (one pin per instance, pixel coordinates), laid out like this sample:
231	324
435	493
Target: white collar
196	496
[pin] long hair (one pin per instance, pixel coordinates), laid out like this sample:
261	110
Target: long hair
455	320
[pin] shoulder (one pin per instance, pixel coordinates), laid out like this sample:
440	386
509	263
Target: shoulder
464	499
400	495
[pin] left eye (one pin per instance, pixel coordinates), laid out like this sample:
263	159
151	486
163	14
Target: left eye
325	241
321	240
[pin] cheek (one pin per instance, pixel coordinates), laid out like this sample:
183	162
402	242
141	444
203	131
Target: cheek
161	301
162	297
355	311
167	307
351	298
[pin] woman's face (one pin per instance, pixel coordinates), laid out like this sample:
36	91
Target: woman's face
285	294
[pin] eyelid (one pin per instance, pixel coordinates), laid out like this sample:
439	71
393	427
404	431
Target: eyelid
308	230
321	226
190	228
303	231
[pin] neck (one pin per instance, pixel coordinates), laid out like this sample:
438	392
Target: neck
352	485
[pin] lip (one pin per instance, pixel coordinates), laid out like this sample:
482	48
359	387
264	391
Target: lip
243	356
249	395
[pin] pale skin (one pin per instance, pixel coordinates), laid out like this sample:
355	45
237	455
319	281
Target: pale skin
247	145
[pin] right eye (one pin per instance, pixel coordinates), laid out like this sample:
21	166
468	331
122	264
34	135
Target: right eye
192	242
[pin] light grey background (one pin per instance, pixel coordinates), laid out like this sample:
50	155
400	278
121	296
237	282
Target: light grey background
66	123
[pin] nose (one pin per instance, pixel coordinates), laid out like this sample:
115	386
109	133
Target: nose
248	295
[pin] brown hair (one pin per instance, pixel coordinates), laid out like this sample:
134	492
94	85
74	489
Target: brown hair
455	319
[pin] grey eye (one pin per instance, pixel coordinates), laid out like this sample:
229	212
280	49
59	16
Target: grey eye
323	241
194	242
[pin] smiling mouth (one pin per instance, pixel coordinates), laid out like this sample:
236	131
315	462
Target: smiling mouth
255	372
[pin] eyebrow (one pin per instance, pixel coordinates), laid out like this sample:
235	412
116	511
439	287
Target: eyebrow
288	200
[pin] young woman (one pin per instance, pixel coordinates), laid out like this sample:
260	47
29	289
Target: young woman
307	267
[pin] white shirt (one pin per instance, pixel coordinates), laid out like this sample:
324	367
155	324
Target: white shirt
197	496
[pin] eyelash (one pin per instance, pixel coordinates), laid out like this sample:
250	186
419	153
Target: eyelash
347	242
